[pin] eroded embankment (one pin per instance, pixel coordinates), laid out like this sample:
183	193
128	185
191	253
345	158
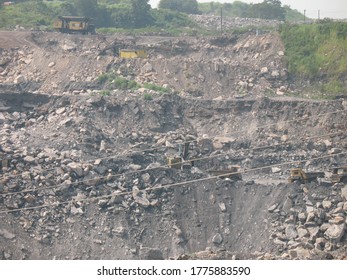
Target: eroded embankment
102	191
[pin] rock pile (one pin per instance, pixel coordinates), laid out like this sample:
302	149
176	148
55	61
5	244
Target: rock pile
311	224
90	156
213	22
229	66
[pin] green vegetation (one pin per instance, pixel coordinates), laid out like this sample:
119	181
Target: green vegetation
111	15
183	6
147	96
102	78
105	92
112	81
156	88
123	83
317	52
268	9
26	14
135	16
292	15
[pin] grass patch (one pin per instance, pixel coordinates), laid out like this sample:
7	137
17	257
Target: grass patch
317	52
112	81
156	88
105	92
123	83
102	78
147	97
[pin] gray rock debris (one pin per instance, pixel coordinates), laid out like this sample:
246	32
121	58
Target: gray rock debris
7	235
147	253
217	239
335	232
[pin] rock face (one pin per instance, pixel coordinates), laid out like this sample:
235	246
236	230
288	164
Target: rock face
84	165
227	67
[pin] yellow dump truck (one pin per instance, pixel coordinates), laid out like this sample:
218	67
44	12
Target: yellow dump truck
339	174
297	174
73	24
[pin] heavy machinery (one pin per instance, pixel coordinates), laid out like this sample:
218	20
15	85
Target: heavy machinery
126	53
181	161
297	174
232	172
339	174
73	24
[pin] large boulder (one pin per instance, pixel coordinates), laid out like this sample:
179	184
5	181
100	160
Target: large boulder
335	232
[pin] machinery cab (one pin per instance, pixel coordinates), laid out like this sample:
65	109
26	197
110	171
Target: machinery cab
339	174
181	160
74	24
296	174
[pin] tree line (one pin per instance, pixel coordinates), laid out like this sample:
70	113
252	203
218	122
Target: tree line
138	13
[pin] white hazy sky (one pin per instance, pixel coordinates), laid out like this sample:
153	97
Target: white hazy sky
328	8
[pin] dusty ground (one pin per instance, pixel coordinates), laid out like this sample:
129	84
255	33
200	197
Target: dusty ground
93	167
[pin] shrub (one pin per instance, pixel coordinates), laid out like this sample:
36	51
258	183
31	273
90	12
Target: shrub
102	78
156	88
105	92
147	96
317	52
333	87
123	83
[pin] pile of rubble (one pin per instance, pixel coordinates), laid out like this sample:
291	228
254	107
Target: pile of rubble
311	223
213	22
94	168
84	164
230	66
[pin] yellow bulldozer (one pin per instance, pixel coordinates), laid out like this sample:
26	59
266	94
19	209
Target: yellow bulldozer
73	24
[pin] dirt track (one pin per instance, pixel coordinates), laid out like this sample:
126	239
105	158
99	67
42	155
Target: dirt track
11	39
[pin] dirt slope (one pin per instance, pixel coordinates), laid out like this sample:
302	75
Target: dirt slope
208	67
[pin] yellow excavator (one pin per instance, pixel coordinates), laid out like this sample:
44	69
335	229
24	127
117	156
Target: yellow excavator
181	161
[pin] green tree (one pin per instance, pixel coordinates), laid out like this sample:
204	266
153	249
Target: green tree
184	6
86	8
121	17
67	9
268	9
141	16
